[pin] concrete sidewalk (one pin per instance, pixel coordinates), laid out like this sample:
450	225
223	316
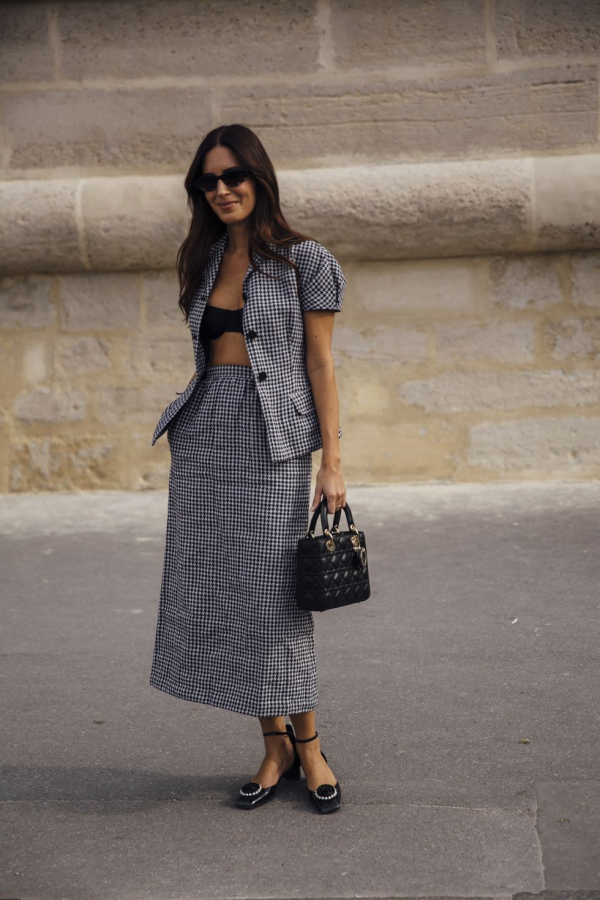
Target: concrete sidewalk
458	707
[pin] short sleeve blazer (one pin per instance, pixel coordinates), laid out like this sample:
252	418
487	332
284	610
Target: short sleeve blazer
322	282
273	327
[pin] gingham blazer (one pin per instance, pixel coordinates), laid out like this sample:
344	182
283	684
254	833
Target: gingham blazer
273	329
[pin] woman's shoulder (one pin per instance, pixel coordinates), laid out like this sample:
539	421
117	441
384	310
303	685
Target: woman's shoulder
322	281
311	254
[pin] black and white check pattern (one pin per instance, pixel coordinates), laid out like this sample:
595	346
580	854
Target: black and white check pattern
273	328
229	633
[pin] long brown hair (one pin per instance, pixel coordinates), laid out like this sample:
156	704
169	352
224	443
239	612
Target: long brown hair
267	222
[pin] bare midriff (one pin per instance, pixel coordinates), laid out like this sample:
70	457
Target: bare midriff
230	347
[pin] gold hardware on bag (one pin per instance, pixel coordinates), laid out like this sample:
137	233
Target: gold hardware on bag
361	553
330	544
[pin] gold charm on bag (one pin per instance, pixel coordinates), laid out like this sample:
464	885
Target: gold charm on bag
361	552
361	556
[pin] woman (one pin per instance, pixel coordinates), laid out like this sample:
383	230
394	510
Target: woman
259	300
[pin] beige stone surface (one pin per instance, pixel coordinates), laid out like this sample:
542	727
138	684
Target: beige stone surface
585	269
78	355
26	48
159	357
562	446
64	463
411	33
5	454
366	394
45	404
26	301
36	362
527	282
39	227
418	289
433	210
160	293
151	476
137	223
102	301
390	117
128	405
105	126
380	344
146	468
503	342
400	451
567	203
539	29
10	375
459	391
121	40
574	338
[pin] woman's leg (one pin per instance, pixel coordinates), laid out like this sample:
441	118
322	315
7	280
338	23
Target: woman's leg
315	768
279	752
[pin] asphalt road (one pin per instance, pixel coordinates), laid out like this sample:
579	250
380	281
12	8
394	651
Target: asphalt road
458	707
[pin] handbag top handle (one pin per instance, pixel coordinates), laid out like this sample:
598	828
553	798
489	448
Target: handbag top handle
322	511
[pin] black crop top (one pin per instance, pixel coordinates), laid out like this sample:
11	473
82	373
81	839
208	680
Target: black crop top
217	320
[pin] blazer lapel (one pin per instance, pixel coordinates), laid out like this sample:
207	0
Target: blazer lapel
206	285
210	274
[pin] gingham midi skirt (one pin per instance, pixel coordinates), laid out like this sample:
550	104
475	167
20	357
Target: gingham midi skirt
229	633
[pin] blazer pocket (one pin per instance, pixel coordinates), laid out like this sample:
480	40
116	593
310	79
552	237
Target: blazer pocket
172	409
303	401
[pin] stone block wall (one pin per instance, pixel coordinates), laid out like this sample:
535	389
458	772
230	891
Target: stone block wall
446	150
89	361
471	369
130	86
483	368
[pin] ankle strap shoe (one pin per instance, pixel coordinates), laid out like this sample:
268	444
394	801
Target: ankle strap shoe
253	794
327	797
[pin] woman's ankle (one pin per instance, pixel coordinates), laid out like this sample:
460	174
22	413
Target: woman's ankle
308	750
278	747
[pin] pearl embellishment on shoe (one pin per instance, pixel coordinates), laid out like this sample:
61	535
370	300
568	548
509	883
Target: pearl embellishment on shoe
251	793
329	796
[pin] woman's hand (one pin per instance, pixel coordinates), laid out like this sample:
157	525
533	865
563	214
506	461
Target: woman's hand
331	484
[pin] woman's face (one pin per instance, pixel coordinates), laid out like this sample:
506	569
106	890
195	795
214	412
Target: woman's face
231	205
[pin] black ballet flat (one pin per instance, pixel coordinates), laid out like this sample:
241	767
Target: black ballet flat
253	794
327	797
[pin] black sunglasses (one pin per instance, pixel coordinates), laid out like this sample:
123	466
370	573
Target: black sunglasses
230	177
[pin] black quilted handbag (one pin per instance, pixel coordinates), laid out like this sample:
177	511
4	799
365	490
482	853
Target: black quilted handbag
331	569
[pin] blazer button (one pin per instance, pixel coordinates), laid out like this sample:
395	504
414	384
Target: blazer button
251	335
262	376
244	296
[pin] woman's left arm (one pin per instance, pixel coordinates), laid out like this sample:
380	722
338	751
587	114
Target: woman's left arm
318	330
